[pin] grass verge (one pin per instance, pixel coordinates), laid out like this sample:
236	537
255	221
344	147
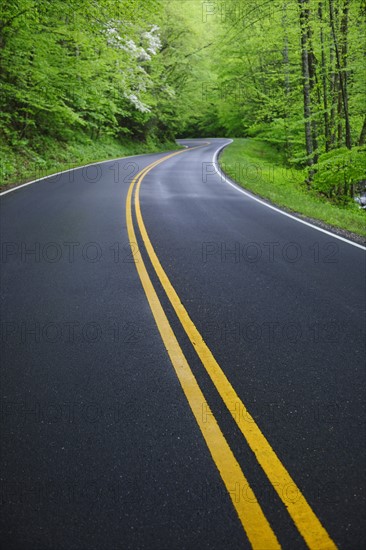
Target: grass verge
20	165
258	167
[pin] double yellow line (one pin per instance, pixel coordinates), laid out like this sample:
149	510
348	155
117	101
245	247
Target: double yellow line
254	522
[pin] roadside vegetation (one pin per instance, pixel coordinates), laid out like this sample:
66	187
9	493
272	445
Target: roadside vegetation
260	168
51	156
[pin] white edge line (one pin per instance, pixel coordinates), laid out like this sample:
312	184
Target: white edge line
75	168
236	186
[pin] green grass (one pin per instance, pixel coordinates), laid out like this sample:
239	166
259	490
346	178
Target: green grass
258	167
19	165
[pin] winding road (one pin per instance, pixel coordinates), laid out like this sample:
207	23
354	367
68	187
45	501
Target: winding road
182	365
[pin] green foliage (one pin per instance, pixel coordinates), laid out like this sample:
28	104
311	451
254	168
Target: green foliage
339	171
256	82
88	66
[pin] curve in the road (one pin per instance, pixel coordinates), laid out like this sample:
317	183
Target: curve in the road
249	511
303	516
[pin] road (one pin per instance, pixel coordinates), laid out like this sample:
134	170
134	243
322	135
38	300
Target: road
182	366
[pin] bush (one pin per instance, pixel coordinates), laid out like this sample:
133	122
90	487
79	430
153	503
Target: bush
339	171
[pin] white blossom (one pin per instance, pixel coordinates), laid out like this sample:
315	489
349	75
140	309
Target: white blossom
150	39
154	42
137	103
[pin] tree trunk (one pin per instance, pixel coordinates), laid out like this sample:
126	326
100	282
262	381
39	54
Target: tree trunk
313	87
334	96
362	138
344	52
286	80
324	80
343	85
339	118
304	24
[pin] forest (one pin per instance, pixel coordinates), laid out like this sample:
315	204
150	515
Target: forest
87	79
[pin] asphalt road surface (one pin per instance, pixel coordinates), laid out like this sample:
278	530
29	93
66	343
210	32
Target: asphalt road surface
182	365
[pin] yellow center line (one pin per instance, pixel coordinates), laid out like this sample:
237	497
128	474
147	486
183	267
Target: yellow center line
300	511
253	520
